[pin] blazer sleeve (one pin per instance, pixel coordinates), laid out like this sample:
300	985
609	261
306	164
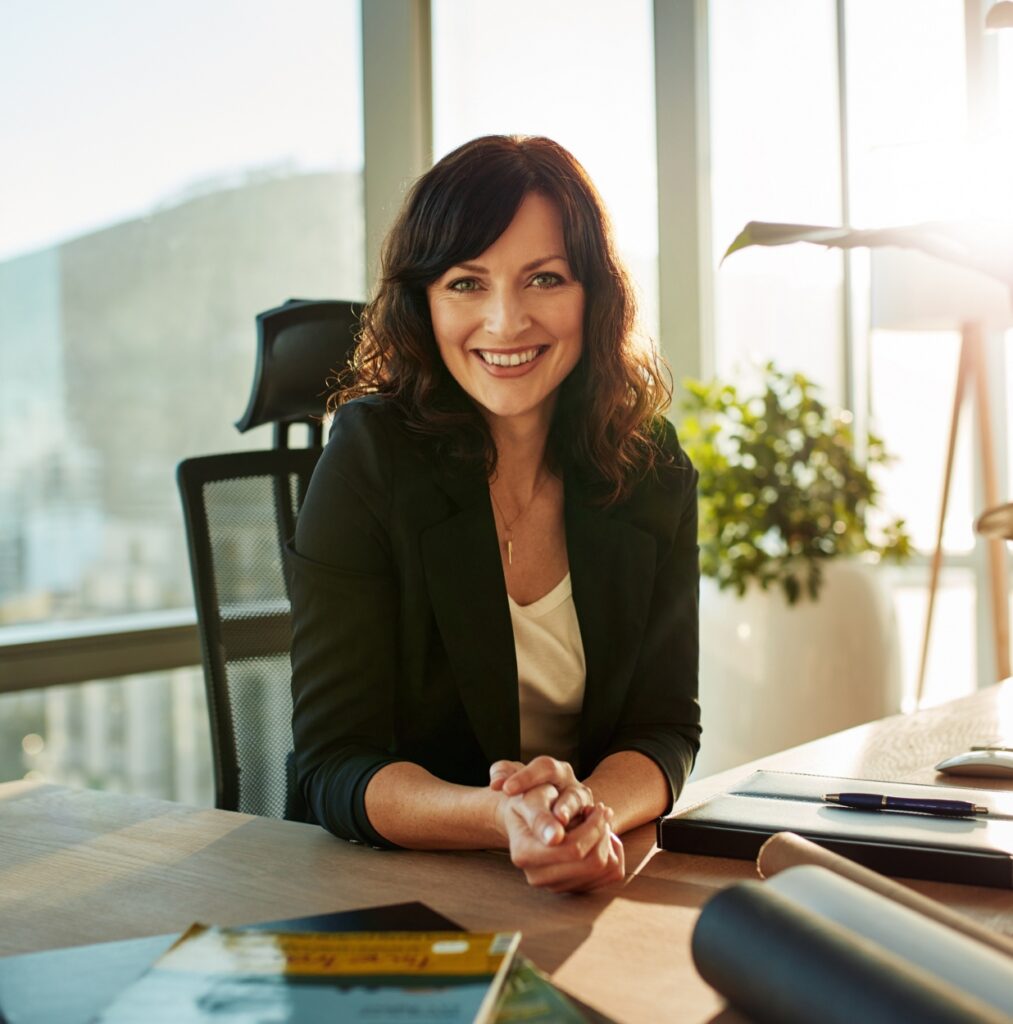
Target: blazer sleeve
661	714
345	601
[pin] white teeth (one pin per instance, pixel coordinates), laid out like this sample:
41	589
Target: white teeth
511	359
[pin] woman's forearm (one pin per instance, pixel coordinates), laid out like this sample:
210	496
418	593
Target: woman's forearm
632	785
412	808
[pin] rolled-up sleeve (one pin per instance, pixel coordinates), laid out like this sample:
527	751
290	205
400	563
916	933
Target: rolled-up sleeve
345	607
661	715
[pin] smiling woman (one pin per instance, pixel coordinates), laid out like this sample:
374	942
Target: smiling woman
494	574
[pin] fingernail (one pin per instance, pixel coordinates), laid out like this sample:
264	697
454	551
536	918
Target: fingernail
549	833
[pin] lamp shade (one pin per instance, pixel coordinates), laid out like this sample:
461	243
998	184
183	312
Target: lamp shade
912	291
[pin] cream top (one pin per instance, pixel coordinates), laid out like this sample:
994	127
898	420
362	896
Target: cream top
550	673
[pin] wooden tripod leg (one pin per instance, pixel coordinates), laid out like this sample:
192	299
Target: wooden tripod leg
964	369
998	581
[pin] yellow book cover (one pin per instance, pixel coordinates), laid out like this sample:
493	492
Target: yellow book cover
218	974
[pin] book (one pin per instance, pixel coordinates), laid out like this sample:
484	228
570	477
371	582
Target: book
735	823
223	974
812	945
71	985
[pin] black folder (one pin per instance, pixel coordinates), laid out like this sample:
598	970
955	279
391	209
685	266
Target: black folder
736	823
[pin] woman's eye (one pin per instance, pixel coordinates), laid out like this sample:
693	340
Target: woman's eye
546	280
463	284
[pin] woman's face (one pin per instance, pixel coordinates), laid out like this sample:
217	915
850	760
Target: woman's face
509	323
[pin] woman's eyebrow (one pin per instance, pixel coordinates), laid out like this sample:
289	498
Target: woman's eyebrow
477	268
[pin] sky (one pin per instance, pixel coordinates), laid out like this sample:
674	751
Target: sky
116	107
112	107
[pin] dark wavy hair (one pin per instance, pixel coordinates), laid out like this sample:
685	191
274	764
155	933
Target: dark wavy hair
607	415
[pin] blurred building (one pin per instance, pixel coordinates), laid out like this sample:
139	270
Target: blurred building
125	350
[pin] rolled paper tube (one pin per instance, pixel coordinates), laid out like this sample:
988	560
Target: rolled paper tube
780	963
787	850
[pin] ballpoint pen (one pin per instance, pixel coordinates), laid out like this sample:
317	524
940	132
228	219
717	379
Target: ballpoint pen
879	802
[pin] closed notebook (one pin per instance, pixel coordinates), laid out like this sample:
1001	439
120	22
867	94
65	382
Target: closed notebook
735	823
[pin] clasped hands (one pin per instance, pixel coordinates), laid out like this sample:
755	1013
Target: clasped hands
558	836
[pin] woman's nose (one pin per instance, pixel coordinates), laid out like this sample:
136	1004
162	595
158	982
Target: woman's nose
505	316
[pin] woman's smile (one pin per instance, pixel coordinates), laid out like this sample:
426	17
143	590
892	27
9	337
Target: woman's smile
510	363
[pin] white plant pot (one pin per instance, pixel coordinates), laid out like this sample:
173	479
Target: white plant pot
773	675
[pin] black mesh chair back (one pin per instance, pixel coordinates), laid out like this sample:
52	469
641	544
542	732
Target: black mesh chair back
239	511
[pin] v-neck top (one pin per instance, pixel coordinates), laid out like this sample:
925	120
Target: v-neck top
550	673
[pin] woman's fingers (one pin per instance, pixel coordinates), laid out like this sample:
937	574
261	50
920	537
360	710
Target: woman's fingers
500	771
534	809
590	868
614	870
537	772
515	778
558	836
572	803
571	864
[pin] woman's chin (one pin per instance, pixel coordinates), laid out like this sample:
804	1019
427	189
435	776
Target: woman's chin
516	410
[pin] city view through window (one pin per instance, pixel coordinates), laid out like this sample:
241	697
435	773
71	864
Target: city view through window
133	262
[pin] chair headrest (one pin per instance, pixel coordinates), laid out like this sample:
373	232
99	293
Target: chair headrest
300	345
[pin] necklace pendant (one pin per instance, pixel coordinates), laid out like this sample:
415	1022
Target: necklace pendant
510	552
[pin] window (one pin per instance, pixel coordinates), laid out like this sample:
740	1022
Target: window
580	72
909	161
181	167
141	734
776	157
177	168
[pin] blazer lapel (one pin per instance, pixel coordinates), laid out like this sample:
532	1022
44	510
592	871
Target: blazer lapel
612	574
465	579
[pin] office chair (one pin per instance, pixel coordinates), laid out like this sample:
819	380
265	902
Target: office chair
239	510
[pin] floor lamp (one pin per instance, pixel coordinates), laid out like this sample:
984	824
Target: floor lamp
912	291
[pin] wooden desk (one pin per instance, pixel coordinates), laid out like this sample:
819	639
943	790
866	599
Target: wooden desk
80	866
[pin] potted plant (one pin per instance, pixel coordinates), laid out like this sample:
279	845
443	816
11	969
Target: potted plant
798	634
780	488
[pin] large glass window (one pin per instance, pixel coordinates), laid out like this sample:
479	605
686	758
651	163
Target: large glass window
578	71
775	156
177	167
910	161
171	169
143	734
907	131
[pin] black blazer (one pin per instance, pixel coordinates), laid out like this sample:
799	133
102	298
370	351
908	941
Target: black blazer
402	646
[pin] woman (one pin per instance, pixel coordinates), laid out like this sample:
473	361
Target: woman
494	576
